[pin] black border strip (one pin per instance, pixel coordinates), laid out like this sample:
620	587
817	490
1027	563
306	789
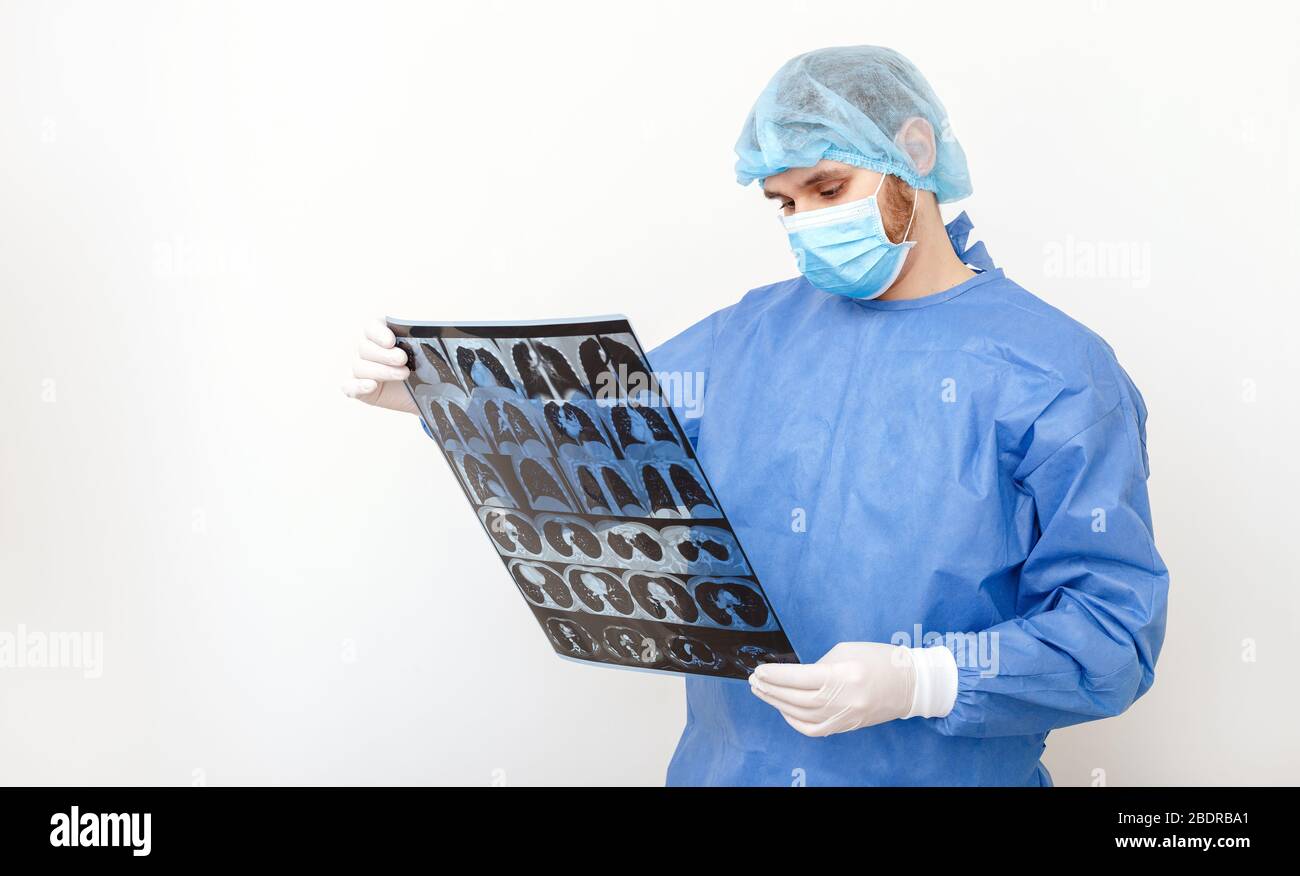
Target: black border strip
531	330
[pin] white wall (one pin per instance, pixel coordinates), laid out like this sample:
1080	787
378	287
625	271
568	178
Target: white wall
201	203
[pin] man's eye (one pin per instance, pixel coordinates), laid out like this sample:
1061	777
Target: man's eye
830	193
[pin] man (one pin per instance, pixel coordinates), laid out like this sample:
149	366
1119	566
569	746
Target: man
939	479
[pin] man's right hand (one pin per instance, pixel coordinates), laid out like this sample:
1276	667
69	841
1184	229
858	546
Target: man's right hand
378	371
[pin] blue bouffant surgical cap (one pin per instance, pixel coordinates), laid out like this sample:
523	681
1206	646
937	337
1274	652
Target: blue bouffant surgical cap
850	105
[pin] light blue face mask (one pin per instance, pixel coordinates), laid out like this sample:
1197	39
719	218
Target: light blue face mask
844	249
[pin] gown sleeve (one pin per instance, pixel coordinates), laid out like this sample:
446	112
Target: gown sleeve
1091	604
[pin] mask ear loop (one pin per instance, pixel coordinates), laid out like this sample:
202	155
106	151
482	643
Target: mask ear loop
916	194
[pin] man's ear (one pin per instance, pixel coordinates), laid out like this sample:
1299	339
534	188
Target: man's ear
916	139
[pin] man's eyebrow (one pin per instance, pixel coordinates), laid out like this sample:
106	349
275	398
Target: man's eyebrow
817	178
822	176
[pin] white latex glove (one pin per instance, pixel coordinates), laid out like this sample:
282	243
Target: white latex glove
378	371
858	684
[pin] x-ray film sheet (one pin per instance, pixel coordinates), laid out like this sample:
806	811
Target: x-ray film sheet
585	484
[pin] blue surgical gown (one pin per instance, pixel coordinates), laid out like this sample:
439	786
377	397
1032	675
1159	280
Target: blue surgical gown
970	462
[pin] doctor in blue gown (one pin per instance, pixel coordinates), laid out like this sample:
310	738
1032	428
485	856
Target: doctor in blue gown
939	479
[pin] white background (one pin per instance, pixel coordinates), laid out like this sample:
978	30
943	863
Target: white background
201	203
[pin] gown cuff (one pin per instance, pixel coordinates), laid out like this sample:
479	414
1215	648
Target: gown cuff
936	682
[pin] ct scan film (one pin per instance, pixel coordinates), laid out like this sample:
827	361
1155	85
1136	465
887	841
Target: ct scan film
582	478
